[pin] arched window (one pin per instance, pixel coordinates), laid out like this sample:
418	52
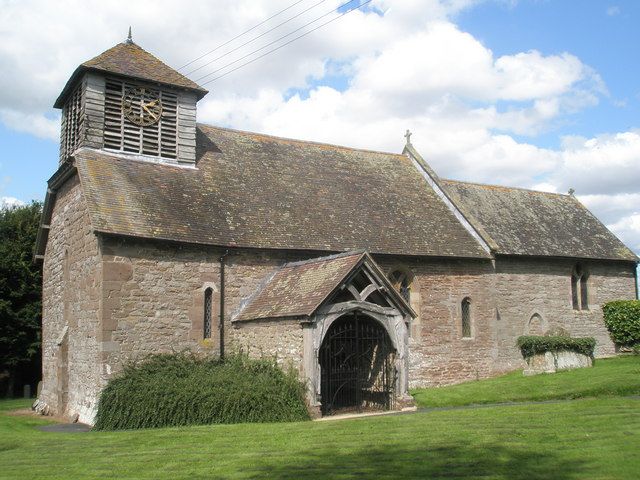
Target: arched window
465	309
575	283
579	288
401	281
208	303
584	294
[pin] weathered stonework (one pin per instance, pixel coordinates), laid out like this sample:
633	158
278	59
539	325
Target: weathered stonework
505	296
281	340
137	298
552	362
71	303
524	288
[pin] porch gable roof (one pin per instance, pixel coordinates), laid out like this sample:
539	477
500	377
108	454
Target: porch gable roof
298	289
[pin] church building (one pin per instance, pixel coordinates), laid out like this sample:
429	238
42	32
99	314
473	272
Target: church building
362	270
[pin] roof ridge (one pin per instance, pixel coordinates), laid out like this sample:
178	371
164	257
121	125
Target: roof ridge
334	256
297	140
492	185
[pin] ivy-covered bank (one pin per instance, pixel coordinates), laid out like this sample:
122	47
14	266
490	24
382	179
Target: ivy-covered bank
533	345
181	389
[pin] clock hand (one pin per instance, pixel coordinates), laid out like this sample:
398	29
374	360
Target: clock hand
150	112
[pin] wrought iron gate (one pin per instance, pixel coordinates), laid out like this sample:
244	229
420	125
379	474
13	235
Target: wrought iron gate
357	366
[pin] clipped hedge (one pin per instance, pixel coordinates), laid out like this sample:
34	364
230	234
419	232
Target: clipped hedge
180	389
622	318
532	345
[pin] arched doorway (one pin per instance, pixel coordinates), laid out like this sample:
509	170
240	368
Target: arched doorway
357	363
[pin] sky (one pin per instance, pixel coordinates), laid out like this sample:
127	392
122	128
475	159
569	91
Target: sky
541	94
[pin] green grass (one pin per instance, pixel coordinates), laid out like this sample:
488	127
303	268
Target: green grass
592	438
583	439
608	377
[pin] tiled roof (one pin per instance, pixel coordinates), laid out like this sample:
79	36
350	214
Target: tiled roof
130	60
527	222
297	289
253	190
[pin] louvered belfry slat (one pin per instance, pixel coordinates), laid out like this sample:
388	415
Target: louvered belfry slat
72	120
159	139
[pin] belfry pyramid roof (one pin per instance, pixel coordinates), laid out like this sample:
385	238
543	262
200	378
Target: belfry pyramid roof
130	60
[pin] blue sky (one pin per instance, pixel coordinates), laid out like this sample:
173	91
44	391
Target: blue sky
538	94
604	35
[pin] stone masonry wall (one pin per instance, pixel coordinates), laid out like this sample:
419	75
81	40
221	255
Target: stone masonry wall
71	285
278	339
438	353
526	287
153	298
504	299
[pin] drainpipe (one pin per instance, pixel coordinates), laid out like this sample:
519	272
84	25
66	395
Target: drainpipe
221	326
635	274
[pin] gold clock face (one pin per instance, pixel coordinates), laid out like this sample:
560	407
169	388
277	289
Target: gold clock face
142	106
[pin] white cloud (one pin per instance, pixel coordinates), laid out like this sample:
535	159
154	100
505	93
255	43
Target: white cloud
34	123
628	229
606	164
8	202
408	65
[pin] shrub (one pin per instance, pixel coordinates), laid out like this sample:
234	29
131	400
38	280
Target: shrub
531	345
622	318
181	389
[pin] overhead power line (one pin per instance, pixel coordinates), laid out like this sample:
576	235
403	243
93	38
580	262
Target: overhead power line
280	46
256	38
241	34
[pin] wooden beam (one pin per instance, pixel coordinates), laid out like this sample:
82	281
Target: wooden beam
369	289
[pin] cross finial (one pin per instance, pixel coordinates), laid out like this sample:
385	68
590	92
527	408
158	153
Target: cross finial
571	191
129	39
408	137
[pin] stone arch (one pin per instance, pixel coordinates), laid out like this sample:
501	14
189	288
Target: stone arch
357	364
467	327
580	287
536	325
390	319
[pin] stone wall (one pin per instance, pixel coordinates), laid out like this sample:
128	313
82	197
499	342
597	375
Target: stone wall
71	286
439	354
505	297
153	298
278	339
526	287
150	297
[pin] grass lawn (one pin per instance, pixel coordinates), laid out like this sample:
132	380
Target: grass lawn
608	377
595	438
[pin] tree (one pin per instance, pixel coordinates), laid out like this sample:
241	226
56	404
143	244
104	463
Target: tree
20	295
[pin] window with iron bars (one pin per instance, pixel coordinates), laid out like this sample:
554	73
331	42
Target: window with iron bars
466	318
208	303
